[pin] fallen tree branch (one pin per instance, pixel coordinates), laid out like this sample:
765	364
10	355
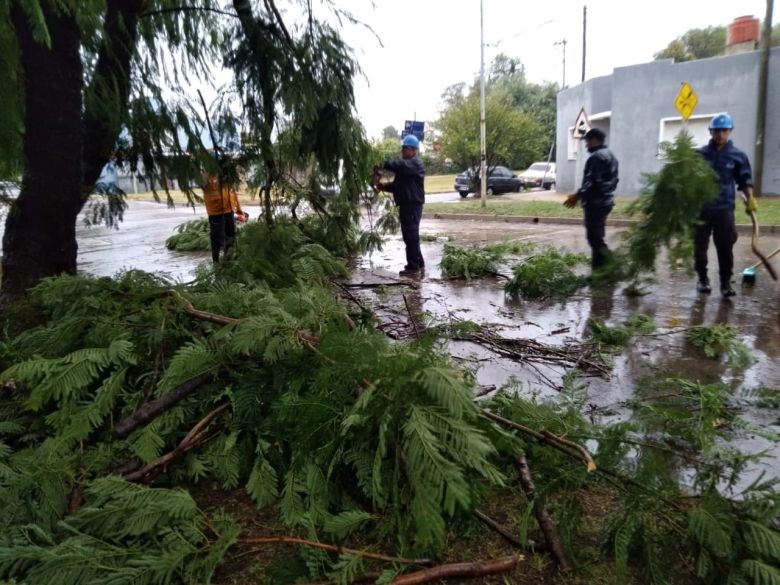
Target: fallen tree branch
205	315
151	409
196	436
460	570
568	447
502	531
546	524
332	548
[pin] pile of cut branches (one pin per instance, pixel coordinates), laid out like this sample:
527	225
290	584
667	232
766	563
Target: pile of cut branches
373	454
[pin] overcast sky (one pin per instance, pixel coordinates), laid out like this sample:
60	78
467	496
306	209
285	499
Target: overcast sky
427	45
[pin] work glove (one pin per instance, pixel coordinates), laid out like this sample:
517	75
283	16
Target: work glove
571	201
751	205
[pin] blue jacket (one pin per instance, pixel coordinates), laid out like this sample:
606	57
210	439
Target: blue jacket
600	179
408	186
732	166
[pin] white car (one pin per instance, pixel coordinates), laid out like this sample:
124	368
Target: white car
539	174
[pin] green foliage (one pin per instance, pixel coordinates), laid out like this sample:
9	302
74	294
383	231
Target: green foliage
476	262
717	340
513	137
668	207
520	118
696	43
546	274
190	236
122	534
638	324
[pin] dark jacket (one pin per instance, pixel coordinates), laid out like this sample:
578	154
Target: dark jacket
732	166
408	186
600	179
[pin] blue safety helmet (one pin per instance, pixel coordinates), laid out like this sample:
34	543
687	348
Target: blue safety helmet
722	122
410	141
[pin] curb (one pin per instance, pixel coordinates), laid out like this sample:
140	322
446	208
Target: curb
742	228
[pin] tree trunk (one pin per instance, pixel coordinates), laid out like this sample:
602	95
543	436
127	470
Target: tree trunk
40	231
109	90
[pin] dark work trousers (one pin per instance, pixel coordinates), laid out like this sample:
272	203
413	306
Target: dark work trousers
222	232
595	231
719	223
410	215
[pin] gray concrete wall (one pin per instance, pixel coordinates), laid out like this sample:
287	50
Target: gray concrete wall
771	179
641	95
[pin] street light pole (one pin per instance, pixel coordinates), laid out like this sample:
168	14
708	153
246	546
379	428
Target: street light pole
482	140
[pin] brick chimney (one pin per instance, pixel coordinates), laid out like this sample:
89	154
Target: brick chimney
743	35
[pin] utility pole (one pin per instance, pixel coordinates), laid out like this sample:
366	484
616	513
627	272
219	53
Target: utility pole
584	37
763	75
482	140
563	43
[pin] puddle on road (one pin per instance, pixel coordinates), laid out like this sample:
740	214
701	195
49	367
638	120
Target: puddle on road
672	302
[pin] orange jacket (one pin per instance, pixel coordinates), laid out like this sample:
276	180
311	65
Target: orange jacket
216	204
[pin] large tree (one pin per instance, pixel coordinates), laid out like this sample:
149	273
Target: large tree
519	118
88	80
513	138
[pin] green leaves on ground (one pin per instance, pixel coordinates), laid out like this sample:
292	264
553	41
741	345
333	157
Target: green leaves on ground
717	340
479	261
190	236
547	274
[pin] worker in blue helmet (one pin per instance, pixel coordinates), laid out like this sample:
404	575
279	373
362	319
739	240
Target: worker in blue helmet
716	219
409	195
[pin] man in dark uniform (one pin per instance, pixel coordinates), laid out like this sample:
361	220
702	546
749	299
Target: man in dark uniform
597	194
409	195
717	217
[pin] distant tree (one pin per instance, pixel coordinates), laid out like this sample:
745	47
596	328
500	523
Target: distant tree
514	138
386	148
697	43
454	94
505	66
776	35
391	132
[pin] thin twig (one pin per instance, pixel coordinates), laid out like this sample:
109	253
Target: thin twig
332	548
493	525
196	436
411	317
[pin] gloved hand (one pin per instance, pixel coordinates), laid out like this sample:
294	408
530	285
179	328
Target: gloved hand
751	205
571	201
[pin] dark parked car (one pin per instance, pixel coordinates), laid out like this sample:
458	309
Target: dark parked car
499	180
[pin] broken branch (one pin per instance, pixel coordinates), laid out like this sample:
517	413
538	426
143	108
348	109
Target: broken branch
546	524
461	570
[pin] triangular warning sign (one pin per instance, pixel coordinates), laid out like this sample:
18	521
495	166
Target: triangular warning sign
581	124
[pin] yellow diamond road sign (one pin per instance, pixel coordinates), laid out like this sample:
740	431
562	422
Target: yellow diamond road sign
686	101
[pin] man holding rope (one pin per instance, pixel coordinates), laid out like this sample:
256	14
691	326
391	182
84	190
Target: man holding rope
717	217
